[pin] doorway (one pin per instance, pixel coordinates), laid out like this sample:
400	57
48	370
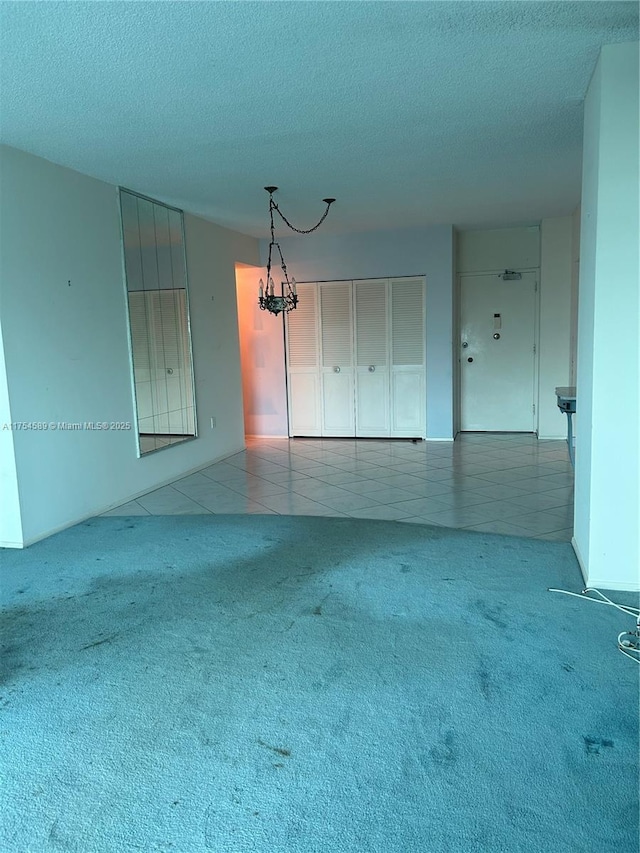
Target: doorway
497	352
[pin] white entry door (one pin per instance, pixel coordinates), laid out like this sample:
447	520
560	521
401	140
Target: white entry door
497	353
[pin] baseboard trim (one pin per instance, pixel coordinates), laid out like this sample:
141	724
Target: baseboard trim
6	544
97	512
597	583
264	435
439	439
576	551
617	587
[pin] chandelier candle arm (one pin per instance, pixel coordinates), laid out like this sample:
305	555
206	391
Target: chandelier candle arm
267	300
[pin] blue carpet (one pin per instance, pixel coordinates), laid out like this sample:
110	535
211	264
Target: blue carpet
262	684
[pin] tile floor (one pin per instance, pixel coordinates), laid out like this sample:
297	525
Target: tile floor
501	483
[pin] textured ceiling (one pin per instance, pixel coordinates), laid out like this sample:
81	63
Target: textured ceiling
410	114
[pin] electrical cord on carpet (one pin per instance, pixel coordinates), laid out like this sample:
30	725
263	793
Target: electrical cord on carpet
628	641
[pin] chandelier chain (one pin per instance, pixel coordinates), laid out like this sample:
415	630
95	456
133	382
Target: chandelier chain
268	300
293	227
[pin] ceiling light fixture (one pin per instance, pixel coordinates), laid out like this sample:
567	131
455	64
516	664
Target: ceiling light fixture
288	298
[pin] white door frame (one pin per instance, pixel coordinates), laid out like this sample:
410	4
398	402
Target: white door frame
457	343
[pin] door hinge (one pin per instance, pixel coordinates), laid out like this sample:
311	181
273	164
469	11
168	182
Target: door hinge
534	349
534	408
536	288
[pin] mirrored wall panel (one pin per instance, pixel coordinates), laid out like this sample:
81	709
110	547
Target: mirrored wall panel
156	276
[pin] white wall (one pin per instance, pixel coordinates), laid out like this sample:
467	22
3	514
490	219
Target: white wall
388	254
264	389
554	366
66	346
607	501
498	249
575	278
10	517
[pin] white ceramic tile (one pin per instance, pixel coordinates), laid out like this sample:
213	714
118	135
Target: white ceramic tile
499	492
421	506
130	508
557	535
540	501
462	517
349	502
458	498
540	522
381	513
169	501
223	473
419	519
256	488
540	484
379	491
485	481
502	527
510	476
291	504
209	490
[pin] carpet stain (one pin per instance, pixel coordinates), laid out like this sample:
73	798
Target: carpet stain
98	643
405	568
491	614
592	744
445	753
286	753
488	687
567	667
209	828
317	610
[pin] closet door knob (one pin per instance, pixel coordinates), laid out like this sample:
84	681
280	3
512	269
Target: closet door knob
336	370
372	368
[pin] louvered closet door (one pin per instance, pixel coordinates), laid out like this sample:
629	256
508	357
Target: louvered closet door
408	336
303	364
336	368
372	357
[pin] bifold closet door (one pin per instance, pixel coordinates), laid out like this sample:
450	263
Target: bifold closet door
356	359
336	365
408	389
303	362
372	358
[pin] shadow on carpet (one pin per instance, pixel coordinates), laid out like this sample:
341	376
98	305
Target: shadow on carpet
262	684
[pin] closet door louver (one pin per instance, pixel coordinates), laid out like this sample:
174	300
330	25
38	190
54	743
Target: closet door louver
336	371
303	360
303	329
407	321
408	414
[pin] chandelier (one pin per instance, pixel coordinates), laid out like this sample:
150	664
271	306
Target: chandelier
287	300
